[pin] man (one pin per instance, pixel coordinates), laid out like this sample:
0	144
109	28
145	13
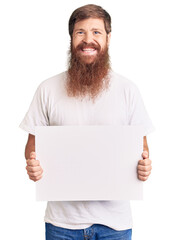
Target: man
89	93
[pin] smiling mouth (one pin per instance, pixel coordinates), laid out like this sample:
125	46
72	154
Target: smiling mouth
88	51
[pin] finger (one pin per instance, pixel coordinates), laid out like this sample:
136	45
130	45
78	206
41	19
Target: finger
145	162
32	162
142	178
33	155
35	179
144	168
35	174
145	154
33	169
144	174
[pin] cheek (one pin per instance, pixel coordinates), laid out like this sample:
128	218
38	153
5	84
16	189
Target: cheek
102	45
102	42
73	44
75	41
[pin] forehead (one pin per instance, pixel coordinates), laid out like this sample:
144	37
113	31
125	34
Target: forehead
90	23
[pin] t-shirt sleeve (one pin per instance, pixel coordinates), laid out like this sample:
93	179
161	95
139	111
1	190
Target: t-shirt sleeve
137	113
37	114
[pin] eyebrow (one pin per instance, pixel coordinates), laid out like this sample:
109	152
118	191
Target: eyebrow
93	29
97	29
79	29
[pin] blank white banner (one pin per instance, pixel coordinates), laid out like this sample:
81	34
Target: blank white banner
89	163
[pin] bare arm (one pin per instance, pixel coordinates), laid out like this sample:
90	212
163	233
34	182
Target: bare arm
145	146
145	165
33	167
30	146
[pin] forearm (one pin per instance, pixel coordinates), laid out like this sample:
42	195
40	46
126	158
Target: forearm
145	145
34	170
30	146
28	149
144	166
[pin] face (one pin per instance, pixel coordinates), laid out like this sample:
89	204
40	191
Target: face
89	39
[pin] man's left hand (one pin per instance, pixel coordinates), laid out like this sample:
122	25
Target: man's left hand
144	167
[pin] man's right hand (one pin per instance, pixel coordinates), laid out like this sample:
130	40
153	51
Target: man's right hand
33	167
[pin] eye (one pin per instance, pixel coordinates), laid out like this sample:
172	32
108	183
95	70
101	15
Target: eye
96	32
80	33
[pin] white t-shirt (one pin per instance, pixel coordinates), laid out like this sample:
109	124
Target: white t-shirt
121	104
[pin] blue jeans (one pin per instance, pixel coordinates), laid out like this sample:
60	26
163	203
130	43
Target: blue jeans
95	232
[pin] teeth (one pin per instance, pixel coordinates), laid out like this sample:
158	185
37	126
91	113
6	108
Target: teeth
88	49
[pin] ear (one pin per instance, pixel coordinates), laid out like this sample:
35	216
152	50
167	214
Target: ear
109	38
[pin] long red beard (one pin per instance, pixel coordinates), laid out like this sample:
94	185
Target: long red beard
88	79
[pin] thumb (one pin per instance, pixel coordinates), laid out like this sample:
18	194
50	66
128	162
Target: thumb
32	155
145	154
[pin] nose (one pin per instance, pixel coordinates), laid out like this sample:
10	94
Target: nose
88	38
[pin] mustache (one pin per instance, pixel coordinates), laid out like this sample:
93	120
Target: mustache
88	45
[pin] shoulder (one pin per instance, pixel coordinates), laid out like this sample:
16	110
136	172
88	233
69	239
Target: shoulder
54	81
53	84
121	83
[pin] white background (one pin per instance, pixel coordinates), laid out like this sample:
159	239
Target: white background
34	44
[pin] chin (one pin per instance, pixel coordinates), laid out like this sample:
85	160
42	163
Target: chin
88	59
